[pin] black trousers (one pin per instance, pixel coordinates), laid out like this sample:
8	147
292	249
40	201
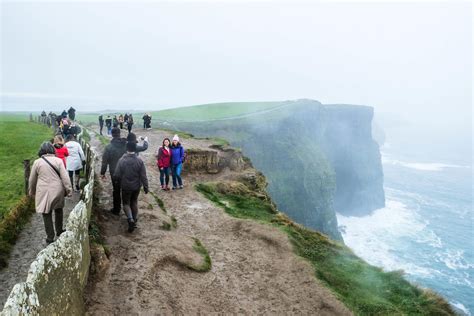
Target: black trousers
116	194
130	204
48	223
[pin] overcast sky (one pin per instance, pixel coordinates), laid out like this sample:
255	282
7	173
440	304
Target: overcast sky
411	58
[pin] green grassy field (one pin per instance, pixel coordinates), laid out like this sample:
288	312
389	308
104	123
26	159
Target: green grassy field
213	111
19	140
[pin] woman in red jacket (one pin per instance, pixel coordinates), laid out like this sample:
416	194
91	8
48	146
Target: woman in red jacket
61	150
164	159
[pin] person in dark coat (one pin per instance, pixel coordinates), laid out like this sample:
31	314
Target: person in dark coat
131	173
115	122
131	137
113	152
163	161
177	159
101	123
64	114
72	113
130	123
108	124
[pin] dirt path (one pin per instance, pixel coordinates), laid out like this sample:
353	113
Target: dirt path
30	241
254	269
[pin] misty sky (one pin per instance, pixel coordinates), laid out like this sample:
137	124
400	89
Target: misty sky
414	59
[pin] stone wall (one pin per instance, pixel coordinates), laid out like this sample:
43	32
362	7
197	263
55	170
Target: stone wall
56	279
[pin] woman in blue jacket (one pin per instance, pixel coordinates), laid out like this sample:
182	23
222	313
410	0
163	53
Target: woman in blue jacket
177	159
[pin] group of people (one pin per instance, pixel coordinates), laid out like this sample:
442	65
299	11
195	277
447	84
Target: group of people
128	173
56	173
63	124
120	121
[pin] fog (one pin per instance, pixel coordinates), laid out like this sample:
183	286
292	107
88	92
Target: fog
411	61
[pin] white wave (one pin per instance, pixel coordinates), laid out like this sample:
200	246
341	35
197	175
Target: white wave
454	260
461	307
422	166
376	237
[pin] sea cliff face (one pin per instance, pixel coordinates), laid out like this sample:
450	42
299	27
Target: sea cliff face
318	159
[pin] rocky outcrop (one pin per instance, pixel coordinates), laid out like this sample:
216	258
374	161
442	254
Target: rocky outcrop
213	161
318	159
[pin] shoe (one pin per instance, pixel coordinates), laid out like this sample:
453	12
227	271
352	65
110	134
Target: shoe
59	234
48	241
163	188
174	188
167	188
77	188
115	212
131	225
181	187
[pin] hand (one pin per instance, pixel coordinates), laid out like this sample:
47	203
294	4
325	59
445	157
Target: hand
145	190
161	168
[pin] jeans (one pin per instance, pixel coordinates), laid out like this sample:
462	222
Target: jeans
176	173
130	204
165	176
116	194
48	223
101	126
109	130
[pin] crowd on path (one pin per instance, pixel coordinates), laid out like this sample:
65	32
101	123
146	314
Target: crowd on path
122	121
55	175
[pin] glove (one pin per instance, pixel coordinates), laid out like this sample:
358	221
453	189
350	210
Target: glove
146	190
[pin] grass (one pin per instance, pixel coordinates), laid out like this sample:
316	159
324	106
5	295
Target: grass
86	135
181	134
207	263
19	140
213	111
159	201
103	140
365	289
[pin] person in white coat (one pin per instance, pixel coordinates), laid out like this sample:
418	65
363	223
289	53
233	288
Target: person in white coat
75	161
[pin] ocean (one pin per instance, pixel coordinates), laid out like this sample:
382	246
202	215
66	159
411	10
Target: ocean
426	228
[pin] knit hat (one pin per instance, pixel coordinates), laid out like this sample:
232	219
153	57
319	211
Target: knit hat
115	132
176	138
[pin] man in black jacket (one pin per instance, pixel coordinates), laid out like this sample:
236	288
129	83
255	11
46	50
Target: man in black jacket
113	152
132	175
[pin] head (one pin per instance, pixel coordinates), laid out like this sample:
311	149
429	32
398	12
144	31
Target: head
131	146
115	132
175	140
70	137
166	142
59	140
131	137
46	148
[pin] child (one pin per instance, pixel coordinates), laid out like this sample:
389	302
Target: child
163	161
61	150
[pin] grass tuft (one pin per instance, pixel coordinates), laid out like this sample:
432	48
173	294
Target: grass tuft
159	201
207	264
365	289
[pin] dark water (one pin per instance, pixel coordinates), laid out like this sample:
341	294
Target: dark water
426	228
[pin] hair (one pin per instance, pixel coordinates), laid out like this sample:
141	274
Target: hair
167	140
115	132
131	137
58	139
131	146
46	148
70	137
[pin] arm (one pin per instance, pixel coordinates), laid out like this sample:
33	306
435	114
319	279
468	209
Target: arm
33	179
142	147
143	177
118	170
182	154
66	152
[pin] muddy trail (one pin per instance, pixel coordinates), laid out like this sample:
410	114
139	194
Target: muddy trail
30	242
154	270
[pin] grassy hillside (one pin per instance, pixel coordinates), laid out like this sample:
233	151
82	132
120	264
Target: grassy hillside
364	289
214	111
19	140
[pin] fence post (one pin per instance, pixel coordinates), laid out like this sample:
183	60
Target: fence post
26	167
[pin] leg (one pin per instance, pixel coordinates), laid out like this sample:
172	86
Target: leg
116	195
173	175
58	221
71	173
167	176
78	178
178	174
134	204
126	197
48	226
162	177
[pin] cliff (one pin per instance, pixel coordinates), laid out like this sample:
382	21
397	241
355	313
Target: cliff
318	159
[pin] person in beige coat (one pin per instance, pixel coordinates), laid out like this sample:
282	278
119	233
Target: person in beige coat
49	183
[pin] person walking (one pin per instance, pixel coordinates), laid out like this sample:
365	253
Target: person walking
101	123
112	153
60	149
120	121
177	159
115	121
163	161
130	123
48	184
108	124
131	173
72	113
75	161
